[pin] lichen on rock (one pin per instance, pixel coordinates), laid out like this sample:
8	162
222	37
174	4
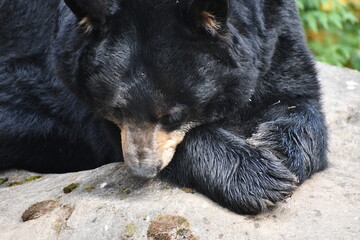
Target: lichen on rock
39	209
70	188
168	227
26	180
3	180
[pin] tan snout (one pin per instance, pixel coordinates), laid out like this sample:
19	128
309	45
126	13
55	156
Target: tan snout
147	148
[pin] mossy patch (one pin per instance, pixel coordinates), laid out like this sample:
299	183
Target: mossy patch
26	180
130	230
188	190
89	188
123	197
127	190
70	188
168	227
3	180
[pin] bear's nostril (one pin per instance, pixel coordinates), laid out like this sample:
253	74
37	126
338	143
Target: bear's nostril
144	173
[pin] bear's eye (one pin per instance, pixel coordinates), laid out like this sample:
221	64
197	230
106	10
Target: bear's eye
114	113
174	119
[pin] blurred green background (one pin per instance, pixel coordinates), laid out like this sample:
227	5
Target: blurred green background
333	30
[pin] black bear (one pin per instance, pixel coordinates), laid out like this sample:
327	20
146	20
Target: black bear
219	95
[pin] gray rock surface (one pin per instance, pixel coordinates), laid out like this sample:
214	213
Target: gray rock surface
327	206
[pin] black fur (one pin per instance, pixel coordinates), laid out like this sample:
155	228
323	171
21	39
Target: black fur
249	85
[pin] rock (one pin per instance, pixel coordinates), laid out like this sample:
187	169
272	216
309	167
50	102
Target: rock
116	206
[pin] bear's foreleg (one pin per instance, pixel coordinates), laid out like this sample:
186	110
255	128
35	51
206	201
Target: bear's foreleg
235	174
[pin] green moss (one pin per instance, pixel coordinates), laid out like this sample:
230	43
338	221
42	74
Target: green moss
89	188
3	180
130	230
123	197
70	188
127	190
26	180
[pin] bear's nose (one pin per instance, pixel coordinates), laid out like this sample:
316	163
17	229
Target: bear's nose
144	172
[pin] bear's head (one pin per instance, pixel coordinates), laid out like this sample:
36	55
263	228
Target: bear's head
156	68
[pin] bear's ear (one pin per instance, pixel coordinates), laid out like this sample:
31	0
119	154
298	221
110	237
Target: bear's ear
211	15
90	13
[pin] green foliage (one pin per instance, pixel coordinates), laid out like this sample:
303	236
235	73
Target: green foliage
333	30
